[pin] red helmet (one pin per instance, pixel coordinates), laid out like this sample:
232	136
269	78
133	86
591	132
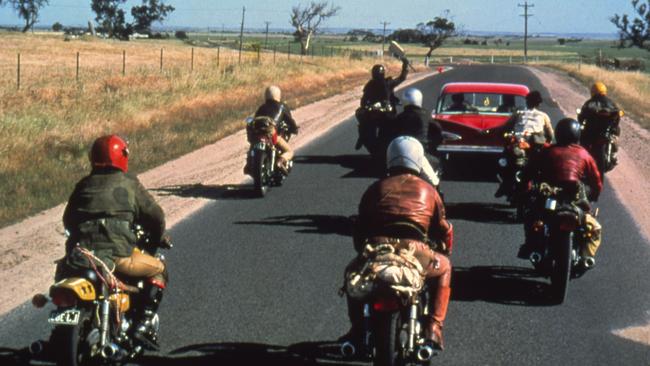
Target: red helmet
110	151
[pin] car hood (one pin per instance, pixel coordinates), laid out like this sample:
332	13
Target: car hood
474	121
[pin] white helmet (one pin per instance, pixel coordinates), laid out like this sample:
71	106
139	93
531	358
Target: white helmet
405	152
273	92
413	96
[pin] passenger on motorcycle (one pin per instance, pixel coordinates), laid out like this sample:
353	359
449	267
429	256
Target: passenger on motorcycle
404	199
268	118
531	124
598	115
569	166
416	122
100	216
378	105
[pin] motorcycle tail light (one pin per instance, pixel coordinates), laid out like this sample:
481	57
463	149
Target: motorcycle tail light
63	298
538	226
524	145
567	222
386	304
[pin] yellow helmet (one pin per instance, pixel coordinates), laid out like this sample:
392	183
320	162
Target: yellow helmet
598	88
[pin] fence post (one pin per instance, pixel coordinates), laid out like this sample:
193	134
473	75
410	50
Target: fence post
258	54
18	73
161	59
77	73
192	62
451	59
288	50
510	60
492	59
218	52
274	49
123	62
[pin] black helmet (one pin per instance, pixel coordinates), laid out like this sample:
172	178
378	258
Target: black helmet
378	72
533	99
567	131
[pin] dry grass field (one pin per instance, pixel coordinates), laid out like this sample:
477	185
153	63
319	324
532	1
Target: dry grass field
48	125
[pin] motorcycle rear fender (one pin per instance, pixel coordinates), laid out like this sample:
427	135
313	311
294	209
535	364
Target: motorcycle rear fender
81	287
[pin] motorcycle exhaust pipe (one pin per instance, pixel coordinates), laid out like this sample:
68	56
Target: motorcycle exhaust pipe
36	348
535	257
589	262
348	349
110	351
424	353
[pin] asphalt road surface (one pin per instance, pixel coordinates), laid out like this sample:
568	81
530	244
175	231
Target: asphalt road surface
254	281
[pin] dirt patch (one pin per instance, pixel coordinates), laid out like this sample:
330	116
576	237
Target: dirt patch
631	177
29	248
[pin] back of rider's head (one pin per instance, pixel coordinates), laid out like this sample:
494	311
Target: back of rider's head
598	88
405	153
567	132
273	92
533	99
378	72
413	96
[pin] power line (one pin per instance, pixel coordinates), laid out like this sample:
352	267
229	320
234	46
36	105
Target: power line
525	5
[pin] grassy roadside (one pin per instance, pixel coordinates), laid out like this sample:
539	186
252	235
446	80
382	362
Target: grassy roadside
629	89
48	126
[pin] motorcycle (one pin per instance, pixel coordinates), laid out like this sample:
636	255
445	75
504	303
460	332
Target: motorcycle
512	165
558	230
95	315
262	155
393	317
604	148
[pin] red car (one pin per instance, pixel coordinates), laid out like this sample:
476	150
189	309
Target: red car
468	111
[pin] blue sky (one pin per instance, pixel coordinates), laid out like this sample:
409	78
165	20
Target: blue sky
550	16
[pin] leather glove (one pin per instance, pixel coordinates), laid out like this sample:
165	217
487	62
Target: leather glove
166	242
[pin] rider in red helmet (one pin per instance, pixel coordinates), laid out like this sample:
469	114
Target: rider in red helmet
100	217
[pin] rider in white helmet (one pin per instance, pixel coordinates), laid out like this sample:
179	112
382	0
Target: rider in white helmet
404	200
407	151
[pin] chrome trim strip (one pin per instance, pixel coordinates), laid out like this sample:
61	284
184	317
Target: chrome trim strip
470	148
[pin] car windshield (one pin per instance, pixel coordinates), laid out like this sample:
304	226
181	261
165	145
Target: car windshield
480	103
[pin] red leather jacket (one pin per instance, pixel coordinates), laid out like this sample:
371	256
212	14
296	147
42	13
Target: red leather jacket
399	198
572	163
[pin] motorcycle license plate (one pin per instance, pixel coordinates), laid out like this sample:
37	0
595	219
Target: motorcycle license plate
65	317
551	204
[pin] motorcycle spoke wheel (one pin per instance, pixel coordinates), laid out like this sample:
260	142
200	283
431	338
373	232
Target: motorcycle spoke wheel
387	339
561	273
70	342
260	176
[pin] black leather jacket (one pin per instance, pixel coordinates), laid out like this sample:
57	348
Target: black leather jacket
278	112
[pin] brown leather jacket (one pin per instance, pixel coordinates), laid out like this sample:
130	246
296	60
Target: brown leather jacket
401	198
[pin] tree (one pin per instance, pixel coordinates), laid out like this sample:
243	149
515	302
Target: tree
111	18
150	11
435	32
406	36
27	10
57	27
307	21
637	31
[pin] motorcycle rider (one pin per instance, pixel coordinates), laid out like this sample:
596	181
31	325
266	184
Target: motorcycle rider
275	112
417	122
378	105
598	114
403	197
100	216
569	166
532	123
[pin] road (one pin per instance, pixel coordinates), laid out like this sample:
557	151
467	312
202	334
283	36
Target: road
254	281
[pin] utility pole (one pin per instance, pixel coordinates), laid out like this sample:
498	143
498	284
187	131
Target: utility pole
525	5
383	38
241	32
266	40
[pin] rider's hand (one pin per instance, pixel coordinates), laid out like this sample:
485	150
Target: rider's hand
166	242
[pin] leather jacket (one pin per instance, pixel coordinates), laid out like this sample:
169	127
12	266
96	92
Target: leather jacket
278	112
401	198
597	114
417	122
559	165
381	90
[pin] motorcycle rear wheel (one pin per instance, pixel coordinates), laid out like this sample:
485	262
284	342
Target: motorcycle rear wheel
260	178
387	339
563	242
70	342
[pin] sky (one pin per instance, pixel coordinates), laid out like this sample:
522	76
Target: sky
549	16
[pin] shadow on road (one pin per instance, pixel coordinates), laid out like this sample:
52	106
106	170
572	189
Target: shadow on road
499	284
311	224
493	213
300	354
213	192
470	168
362	166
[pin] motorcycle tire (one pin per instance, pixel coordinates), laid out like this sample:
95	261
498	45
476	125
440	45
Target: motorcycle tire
561	272
606	158
387	328
70	342
260	176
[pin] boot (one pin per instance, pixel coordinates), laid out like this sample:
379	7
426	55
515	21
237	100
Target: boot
147	330
440	301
